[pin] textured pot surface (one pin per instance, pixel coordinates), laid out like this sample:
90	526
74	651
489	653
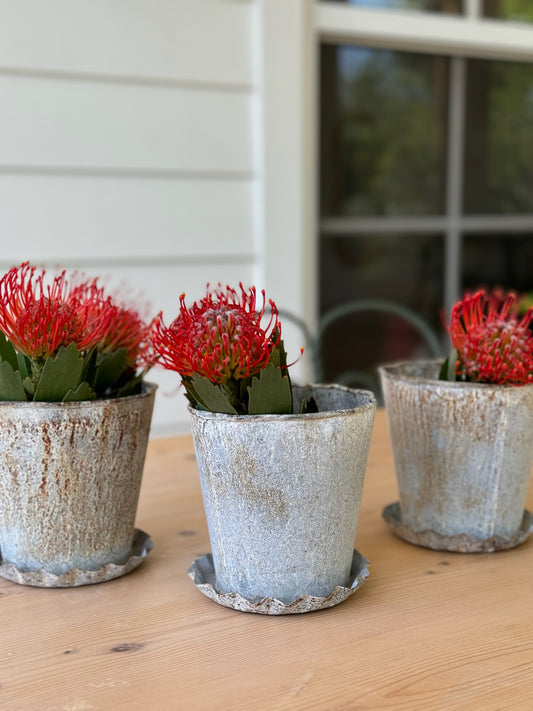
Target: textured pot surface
282	493
70	475
463	451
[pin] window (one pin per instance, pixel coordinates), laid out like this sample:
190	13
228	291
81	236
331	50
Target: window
447	6
517	10
425	180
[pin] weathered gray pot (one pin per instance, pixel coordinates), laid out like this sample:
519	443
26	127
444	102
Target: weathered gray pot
282	494
70	475
463	452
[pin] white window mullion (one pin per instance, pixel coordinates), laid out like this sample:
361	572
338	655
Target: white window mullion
454	181
379	225
473	9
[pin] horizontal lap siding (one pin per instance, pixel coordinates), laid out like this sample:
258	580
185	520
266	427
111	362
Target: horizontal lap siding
156	218
126	147
113	126
197	41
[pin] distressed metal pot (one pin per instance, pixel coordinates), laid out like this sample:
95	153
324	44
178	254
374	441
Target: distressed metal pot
282	494
463	454
70	475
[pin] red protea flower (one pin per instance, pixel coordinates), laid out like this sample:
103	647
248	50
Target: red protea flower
220	338
123	325
38	319
493	344
127	329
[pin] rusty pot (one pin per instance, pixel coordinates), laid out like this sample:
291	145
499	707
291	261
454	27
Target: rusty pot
70	475
282	494
463	454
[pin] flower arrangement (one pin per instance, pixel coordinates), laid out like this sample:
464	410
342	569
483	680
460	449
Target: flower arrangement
66	340
491	341
229	362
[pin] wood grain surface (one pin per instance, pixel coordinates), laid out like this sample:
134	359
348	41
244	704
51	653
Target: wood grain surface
428	630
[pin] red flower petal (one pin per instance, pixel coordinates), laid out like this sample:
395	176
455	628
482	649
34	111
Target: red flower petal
493	344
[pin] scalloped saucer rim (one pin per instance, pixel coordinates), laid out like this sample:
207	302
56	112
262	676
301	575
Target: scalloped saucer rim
202	574
141	545
461	543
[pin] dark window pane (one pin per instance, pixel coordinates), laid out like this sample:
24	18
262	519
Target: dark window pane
498	260
448	6
383	132
518	10
400	269
499	138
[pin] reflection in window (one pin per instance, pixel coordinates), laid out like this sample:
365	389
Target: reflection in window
499	139
383	129
404	269
498	260
389	230
518	10
447	6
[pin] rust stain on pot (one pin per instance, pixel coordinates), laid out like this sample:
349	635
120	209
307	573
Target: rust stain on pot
69	483
47	455
46	441
245	479
461	453
267	480
270	499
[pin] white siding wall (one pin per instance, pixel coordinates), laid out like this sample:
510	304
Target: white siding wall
127	147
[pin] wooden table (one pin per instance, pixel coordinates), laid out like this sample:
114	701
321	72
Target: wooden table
428	630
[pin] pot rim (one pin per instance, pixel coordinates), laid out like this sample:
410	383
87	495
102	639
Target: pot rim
296	416
148	389
387	370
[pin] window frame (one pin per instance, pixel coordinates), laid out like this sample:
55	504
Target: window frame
291	34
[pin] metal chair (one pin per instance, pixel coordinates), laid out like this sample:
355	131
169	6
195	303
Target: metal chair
313	343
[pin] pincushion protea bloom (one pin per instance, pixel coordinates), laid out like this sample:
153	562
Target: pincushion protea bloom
220	348
67	328
128	330
221	337
493	344
123	326
38	319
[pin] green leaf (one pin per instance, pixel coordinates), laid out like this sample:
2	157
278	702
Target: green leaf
82	392
109	369
59	375
88	372
270	393
23	365
192	395
11	387
447	371
278	356
7	352
209	395
131	387
29	387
